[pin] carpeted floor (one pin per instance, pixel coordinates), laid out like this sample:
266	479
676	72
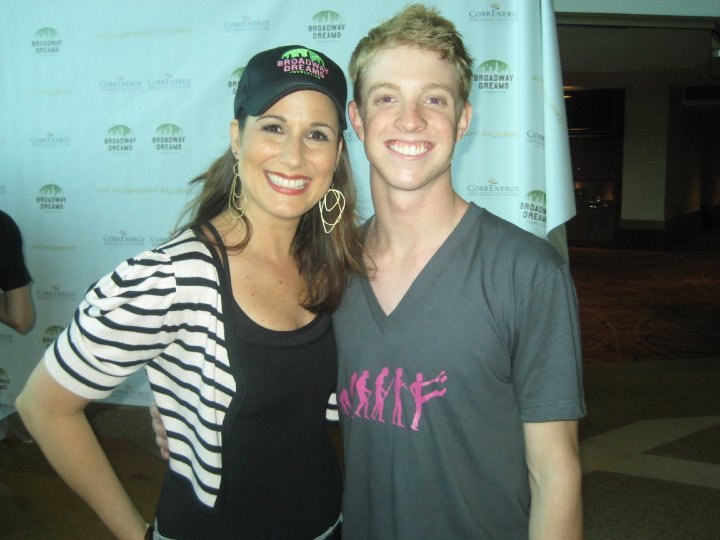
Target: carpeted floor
649	305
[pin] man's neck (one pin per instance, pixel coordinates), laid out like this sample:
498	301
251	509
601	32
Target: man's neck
408	222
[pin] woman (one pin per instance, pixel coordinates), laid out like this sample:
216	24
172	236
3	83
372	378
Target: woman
231	320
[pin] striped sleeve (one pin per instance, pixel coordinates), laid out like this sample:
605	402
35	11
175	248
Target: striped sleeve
121	324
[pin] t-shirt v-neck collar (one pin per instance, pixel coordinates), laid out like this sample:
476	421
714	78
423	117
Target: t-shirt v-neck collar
425	277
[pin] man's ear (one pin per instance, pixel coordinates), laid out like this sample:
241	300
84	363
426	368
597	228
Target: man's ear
356	120
464	121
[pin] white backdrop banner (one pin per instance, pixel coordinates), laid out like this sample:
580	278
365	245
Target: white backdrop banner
109	109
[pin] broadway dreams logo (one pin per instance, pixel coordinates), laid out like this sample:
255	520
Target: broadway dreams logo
326	26
235	79
168	138
51	334
494	76
47	42
533	208
51	198
120	139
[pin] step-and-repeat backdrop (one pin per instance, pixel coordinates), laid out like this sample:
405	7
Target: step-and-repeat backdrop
108	109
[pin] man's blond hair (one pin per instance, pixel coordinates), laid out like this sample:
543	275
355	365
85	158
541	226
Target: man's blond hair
418	26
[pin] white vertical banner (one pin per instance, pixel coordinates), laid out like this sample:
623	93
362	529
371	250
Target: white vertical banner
108	110
515	160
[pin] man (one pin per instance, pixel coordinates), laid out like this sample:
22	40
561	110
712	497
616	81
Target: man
460	377
467	327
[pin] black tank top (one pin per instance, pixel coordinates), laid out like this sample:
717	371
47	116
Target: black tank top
281	478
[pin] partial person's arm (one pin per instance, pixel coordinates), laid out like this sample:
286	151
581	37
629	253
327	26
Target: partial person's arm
161	438
16	309
55	417
553	460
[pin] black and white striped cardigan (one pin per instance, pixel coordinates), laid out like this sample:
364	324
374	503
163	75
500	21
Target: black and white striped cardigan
161	310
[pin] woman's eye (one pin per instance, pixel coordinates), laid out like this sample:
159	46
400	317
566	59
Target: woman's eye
272	128
319	136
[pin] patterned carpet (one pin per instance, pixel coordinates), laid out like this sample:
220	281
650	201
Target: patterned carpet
637	305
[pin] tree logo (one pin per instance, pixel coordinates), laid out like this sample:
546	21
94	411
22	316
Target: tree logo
326	25
494	76
47	42
168	138
119	139
51	198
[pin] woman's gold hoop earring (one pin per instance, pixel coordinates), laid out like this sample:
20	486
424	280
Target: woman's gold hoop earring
332	203
237	203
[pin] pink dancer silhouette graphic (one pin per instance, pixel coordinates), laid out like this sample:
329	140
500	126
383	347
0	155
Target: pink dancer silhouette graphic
346	397
345	402
380	394
358	389
397	405
363	394
416	389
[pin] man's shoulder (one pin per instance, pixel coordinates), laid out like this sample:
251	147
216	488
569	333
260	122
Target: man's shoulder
502	239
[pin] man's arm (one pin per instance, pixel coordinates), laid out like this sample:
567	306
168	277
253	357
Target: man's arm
553	459
16	309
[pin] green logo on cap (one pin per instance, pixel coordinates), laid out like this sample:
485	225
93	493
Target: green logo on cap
303	53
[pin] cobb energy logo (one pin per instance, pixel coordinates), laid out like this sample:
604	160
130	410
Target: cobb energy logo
304	61
47	41
51	198
494	14
51	334
326	26
168	138
533	207
123	239
494	75
536	138
120	139
493	187
247	24
4	379
120	84
235	79
54	294
49	140
168	82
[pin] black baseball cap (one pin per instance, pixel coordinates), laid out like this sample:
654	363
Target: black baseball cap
273	74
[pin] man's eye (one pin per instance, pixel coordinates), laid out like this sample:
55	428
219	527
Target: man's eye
384	99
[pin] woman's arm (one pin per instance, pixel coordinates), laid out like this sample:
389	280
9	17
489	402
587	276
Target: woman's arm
55	417
16	309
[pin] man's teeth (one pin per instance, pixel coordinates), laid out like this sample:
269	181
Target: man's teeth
409	149
296	183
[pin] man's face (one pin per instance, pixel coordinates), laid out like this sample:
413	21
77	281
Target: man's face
409	120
